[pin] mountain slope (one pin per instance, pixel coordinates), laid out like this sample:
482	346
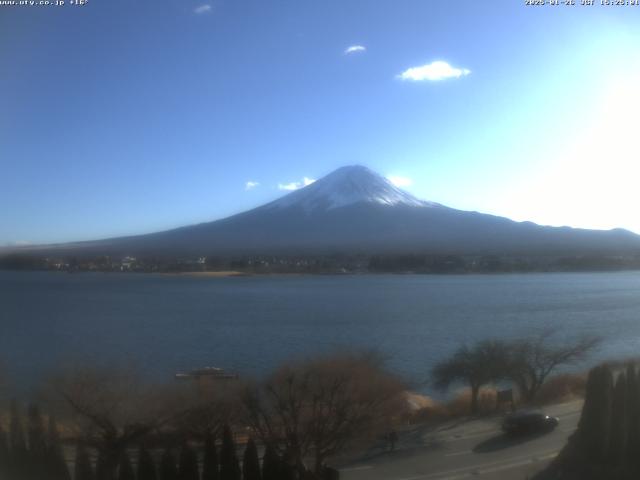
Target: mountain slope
354	210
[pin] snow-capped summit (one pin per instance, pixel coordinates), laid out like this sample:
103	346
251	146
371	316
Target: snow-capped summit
348	186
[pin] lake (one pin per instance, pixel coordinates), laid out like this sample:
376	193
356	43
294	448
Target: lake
166	324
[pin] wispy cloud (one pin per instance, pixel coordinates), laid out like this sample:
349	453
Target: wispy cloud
250	185
205	8
400	181
20	243
296	185
433	71
355	49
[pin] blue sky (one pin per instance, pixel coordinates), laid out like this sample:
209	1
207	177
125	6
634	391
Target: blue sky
130	116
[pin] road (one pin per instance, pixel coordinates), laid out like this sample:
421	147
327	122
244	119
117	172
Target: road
468	449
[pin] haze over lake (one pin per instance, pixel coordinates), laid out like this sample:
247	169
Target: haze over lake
167	323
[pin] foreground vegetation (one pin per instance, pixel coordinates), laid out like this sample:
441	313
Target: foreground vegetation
121	428
526	363
290	426
607	442
42	457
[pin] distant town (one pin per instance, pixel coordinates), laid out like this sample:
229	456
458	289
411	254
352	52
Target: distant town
325	264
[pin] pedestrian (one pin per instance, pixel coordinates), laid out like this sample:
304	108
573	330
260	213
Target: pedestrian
392	438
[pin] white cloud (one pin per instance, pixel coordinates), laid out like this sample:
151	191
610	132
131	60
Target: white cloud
355	49
296	185
400	181
250	185
202	9
433	71
289	186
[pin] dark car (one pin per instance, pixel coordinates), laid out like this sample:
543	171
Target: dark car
520	423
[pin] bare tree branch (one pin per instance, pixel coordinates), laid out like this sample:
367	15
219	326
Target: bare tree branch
321	407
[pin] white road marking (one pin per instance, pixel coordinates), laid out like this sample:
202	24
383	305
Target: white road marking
353	469
472	435
481	469
455	454
509	466
570	414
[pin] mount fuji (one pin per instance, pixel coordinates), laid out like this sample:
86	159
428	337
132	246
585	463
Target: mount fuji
355	210
347	186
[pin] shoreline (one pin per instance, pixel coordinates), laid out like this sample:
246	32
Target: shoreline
236	273
212	274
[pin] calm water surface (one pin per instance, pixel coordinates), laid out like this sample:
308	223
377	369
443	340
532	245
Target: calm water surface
251	324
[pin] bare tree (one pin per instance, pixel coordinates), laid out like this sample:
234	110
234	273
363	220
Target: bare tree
112	409
321	407
208	408
533	359
475	366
